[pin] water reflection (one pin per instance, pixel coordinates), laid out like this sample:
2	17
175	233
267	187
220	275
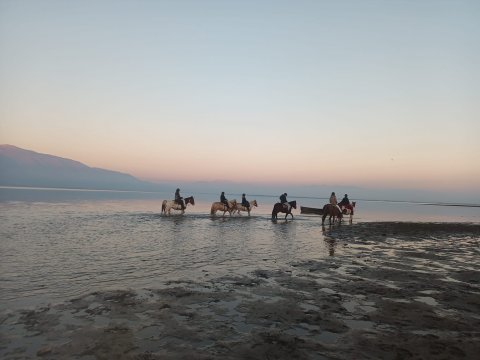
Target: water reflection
330	242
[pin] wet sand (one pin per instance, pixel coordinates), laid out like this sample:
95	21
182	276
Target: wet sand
397	291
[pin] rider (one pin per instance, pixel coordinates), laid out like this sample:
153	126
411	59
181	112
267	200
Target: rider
245	203
179	199
333	201
283	200
344	201
224	200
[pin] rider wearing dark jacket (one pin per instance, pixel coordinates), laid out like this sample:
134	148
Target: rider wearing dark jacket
224	200
179	199
245	202
344	201
283	200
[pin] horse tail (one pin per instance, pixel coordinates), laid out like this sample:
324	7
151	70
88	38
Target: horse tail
212	210
164	205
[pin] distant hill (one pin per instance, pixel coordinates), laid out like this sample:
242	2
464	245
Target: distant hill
20	167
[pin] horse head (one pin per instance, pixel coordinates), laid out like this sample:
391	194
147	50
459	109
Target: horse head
254	203
293	204
190	200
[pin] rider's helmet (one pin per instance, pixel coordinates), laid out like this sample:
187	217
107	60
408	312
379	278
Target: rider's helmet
178	189
243	194
285	194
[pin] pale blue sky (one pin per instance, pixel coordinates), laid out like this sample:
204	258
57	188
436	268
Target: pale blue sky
155	88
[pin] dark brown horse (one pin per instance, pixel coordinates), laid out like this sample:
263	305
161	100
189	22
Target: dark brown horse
333	212
279	207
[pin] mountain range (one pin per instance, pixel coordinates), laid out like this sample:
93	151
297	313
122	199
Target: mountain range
20	167
26	168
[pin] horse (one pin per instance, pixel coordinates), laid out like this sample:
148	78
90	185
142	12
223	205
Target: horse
348	209
218	206
279	207
239	207
168	205
331	211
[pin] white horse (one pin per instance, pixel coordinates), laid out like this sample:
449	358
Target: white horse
239	207
218	206
168	205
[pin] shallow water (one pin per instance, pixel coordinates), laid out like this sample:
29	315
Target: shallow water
53	251
58	246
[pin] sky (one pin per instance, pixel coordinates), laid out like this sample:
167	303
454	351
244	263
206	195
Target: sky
364	93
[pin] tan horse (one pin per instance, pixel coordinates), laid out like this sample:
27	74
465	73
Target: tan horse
218	206
333	211
168	205
239	207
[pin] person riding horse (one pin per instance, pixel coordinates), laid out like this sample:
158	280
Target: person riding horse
333	201
344	201
224	200
283	200
245	202
179	199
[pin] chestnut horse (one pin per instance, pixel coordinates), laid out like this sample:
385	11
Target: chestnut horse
168	205
239	207
218	206
279	207
331	211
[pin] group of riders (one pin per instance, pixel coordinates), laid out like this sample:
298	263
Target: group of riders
345	201
283	200
223	200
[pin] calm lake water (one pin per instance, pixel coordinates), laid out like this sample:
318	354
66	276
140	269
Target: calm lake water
56	245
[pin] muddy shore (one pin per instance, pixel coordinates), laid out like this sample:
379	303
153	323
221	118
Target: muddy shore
398	291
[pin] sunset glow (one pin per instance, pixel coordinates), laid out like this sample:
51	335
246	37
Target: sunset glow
375	94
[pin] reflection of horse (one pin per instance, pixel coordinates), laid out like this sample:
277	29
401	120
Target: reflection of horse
218	206
331	211
168	205
239	207
348	210
279	207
